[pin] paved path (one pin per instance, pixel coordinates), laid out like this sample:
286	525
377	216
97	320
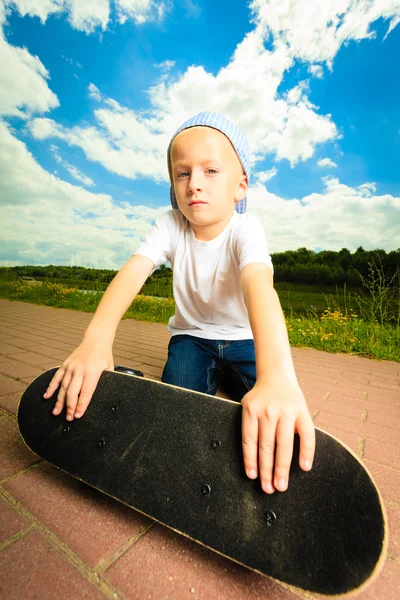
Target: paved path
61	539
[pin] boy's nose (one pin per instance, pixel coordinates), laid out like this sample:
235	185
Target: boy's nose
194	183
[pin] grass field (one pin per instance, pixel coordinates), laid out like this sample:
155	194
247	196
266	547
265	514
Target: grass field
335	322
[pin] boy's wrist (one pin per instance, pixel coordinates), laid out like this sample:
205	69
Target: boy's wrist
278	378
99	334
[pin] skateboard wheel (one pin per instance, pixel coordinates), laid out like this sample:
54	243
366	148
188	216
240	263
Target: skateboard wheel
270	517
101	443
128	371
114	408
206	490
66	428
215	444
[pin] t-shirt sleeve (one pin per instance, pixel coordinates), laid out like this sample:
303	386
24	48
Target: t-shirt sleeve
251	243
157	244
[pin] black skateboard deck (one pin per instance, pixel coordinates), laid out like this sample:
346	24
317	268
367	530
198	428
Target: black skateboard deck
176	456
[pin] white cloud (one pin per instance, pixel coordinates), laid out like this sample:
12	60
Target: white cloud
316	70
123	143
94	92
132	144
87	15
23	86
90	15
73	171
166	65
141	11
326	162
339	217
314	31
61	220
264	176
36	8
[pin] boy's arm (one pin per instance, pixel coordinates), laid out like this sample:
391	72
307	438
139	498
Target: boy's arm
80	372
275	408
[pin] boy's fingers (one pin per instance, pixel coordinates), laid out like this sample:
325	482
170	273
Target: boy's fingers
306	431
59	405
284	451
267	430
54	383
88	387
72	395
250	444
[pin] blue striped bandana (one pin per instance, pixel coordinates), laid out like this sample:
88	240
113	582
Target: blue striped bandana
235	136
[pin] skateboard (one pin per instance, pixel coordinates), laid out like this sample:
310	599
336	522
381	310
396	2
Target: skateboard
175	456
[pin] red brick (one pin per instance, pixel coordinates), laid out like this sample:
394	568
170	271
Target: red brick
29	357
384	454
15	455
386	586
343	409
4	360
356	390
349	380
90	523
383	396
386	409
21	342
165	566
330	372
48	352
390	387
9	386
344	391
393	514
10	521
384	419
19	370
344	400
33	568
386	479
7	348
10	402
364	429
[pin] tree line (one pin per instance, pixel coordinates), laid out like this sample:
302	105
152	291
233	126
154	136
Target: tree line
327	267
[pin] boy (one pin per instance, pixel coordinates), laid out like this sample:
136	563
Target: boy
227	311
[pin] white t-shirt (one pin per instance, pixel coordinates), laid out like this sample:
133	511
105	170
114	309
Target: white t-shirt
206	275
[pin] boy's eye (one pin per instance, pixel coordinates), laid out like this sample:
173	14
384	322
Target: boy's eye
182	174
212	170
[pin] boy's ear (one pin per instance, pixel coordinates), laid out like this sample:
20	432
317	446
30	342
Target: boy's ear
242	189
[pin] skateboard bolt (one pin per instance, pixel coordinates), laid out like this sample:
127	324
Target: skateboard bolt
66	428
114	408
101	443
206	490
215	444
270	517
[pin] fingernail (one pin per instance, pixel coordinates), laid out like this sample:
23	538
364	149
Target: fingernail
307	464
281	485
268	487
77	415
252	474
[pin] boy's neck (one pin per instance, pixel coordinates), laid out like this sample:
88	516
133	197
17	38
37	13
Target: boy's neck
206	233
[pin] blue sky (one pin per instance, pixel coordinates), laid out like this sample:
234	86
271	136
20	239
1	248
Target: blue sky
92	93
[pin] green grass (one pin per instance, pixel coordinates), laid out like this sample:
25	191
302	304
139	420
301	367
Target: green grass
322	321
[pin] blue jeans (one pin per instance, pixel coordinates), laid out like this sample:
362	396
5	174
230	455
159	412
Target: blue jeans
200	365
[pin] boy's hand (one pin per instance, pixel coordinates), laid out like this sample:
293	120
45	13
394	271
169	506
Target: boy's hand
78	376
272	414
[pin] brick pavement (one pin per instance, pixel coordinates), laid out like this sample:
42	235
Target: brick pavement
61	539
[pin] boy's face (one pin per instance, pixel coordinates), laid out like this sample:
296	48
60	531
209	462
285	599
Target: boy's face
207	176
